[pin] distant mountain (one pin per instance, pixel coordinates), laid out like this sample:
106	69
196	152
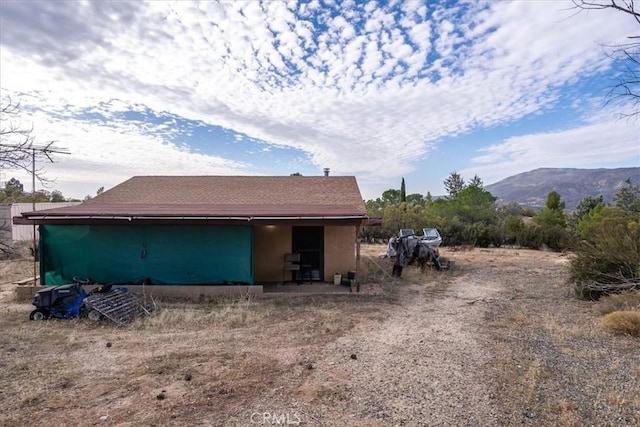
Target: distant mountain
531	188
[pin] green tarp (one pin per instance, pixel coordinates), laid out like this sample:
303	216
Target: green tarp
166	255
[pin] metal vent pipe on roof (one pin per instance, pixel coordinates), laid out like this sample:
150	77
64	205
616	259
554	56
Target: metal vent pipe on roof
326	171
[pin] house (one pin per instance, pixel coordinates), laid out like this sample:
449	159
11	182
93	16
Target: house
205	231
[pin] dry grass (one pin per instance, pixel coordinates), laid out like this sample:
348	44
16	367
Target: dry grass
625	301
623	322
12	270
567	413
549	361
231	349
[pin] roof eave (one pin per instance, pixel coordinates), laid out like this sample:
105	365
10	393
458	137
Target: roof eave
43	219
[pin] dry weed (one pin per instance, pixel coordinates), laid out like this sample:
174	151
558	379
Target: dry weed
625	301
623	322
567	413
230	313
375	270
532	378
518	318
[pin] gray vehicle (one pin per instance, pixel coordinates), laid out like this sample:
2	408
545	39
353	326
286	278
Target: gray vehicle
431	237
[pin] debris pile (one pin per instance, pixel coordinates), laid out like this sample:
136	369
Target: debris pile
118	306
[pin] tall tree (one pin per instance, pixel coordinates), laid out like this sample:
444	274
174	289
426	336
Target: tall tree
454	184
628	197
554	201
391	196
416	199
56	196
403	192
476	181
13	191
553	212
586	205
429	197
475	205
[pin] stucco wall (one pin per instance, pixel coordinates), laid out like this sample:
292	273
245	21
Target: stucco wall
339	250
270	244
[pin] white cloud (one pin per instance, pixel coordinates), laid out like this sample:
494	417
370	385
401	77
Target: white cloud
106	154
605	142
349	97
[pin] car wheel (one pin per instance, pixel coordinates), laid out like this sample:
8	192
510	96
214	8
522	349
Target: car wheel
94	315
38	315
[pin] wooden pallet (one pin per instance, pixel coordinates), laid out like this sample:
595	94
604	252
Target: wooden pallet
117	305
29	281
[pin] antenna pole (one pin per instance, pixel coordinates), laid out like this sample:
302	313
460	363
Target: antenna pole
33	207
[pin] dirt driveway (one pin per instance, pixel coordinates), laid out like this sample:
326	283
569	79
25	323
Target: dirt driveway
499	341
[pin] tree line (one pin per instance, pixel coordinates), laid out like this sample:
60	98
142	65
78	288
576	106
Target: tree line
604	239
13	192
471	215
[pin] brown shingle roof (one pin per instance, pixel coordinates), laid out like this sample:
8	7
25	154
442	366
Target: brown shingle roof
228	196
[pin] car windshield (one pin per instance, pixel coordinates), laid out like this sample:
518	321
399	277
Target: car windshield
430	233
406	232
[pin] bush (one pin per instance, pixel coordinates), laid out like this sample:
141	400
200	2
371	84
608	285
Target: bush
482	235
623	322
624	301
512	229
536	236
452	232
611	253
556	238
529	236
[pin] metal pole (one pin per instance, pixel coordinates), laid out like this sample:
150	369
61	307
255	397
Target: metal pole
357	227
33	207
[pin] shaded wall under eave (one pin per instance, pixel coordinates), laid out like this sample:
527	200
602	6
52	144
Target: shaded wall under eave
339	250
270	244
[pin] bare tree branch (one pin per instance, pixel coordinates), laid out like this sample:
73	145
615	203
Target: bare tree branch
625	6
627	86
17	149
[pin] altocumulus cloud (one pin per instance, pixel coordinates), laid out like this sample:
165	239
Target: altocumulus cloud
366	88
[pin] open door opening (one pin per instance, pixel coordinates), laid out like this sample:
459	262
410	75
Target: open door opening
309	243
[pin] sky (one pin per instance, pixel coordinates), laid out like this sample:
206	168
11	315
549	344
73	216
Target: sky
378	90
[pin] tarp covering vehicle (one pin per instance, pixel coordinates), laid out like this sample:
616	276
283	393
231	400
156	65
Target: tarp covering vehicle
408	249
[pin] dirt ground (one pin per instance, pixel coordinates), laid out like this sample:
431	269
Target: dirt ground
500	340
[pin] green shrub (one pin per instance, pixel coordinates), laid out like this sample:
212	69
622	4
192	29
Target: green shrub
539	236
610	254
529	236
512	227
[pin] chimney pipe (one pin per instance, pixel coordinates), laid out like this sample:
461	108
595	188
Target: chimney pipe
326	171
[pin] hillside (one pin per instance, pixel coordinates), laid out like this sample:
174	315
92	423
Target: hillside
531	188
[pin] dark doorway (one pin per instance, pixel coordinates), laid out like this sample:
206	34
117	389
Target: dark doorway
309	243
